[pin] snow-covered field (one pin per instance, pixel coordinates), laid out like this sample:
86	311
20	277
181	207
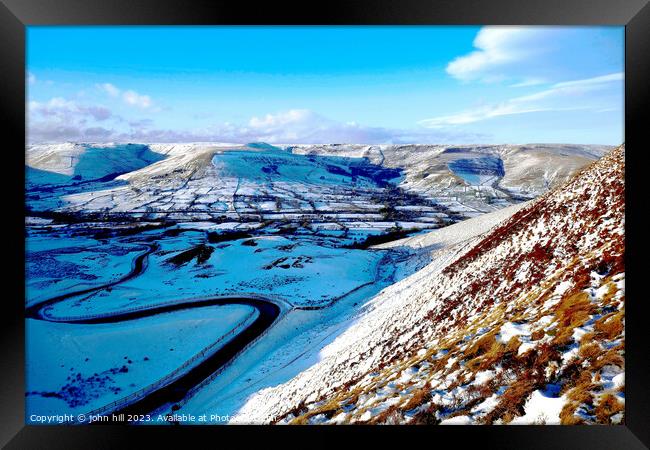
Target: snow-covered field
257	182
339	237
84	370
61	263
76	368
297	271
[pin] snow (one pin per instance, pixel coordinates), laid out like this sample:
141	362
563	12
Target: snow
85	161
524	347
509	330
35	221
457	233
541	408
204	181
570	354
483	376
612	377
296	270
458	420
126	356
298	340
618	380
398	319
59	265
486	405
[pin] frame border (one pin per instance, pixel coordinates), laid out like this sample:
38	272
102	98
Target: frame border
15	15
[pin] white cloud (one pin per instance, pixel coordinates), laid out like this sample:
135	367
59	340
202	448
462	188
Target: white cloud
135	99
130	97
66	109
31	78
619	76
523	56
305	126
293	116
292	126
529	82
497	46
109	88
564	96
60	119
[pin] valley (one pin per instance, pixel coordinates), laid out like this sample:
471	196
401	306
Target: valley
326	234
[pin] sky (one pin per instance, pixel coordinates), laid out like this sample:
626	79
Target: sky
372	85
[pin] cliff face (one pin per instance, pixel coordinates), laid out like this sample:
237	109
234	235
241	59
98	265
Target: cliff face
525	325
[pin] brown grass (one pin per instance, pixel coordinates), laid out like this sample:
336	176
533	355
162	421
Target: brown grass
587	337
426	417
513	399
573	311
607	407
390	416
582	393
418	397
537	335
609	295
498	353
485	352
481	345
589	350
543	355
513	345
567	415
481	391
329	409
611	357
579	393
610	326
524	374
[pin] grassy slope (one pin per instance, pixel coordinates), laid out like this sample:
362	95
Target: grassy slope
554	274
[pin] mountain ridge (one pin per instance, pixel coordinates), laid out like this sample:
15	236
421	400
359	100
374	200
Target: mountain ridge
409	186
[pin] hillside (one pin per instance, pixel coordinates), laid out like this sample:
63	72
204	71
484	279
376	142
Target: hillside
70	163
353	191
524	325
476	177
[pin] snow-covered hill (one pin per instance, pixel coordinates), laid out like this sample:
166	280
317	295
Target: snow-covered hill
70	163
351	190
474	176
522	325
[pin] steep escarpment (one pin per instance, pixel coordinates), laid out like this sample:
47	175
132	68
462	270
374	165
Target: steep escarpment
73	163
523	325
476	176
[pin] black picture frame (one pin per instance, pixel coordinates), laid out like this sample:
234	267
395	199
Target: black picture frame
15	15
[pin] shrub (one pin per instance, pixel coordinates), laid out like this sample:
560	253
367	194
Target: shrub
607	407
610	326
567	415
418	397
589	350
511	403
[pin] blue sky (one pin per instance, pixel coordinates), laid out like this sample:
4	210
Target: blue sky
326	84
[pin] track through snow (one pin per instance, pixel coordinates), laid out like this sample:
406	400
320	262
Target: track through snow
164	394
173	390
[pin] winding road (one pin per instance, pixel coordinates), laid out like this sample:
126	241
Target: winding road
177	389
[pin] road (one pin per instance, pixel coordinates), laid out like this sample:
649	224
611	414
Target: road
178	388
